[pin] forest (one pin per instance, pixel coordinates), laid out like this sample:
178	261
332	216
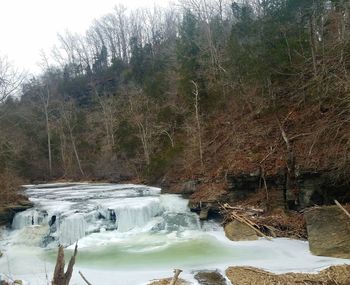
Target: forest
200	89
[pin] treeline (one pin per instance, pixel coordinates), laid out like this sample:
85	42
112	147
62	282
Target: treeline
136	94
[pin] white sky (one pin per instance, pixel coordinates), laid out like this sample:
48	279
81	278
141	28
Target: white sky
28	26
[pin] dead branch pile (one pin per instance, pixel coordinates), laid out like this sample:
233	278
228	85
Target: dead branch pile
281	224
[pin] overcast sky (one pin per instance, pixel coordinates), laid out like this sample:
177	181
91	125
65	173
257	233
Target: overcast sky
27	26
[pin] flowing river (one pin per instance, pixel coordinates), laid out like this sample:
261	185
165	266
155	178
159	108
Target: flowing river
130	234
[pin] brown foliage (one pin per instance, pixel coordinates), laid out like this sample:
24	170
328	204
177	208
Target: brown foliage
10	188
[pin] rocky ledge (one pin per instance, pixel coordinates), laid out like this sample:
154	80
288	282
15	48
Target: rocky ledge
7	212
334	275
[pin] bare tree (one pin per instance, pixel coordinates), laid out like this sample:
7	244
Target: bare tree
68	116
141	113
110	117
45	100
198	122
10	79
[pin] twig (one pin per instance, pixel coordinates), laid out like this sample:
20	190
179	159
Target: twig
299	135
84	278
342	208
267	156
239	208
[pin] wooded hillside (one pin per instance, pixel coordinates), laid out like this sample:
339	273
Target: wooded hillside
197	90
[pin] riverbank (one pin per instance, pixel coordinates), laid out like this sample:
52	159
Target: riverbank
133	233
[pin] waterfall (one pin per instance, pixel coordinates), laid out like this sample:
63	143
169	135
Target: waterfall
29	218
72	229
134	215
78	210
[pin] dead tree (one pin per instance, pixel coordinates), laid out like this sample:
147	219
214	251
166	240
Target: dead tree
176	276
60	277
291	185
45	99
10	79
68	113
198	122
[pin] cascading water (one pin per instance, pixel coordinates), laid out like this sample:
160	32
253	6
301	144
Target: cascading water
74	211
131	234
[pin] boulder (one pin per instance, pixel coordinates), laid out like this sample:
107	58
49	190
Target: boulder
189	187
203	214
237	231
210	278
328	231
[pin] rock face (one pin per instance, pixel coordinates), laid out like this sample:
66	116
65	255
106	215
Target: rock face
189	187
8	212
210	278
314	189
236	231
328	231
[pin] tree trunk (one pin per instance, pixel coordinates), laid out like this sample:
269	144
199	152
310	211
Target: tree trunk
176	276
48	140
60	277
291	185
143	136
198	123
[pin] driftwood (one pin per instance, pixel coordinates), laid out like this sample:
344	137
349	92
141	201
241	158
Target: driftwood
277	225
251	211
60	277
176	276
342	208
240	214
